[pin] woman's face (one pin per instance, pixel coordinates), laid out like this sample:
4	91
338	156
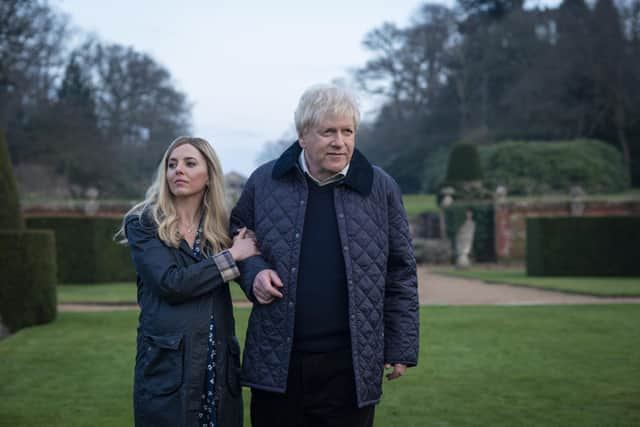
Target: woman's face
186	171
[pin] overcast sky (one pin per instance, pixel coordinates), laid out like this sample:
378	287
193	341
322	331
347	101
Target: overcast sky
243	64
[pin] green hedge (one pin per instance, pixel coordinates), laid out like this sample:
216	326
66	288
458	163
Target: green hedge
483	249
86	250
583	246
28	283
533	167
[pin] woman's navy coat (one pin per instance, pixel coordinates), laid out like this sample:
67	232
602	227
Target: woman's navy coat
177	294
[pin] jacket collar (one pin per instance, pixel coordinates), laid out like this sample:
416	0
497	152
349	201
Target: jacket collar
359	177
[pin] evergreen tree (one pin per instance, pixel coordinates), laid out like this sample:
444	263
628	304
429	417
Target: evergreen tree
81	156
10	215
611	67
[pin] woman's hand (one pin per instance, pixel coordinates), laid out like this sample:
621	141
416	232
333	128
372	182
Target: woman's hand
244	245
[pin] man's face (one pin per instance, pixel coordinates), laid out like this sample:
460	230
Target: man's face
328	146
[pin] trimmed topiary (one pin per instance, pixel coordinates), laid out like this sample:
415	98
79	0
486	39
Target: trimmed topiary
86	252
10	215
464	164
28	284
583	246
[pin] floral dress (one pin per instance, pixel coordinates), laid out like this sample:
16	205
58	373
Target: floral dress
207	413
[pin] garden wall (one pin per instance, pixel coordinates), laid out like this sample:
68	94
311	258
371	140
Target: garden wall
511	224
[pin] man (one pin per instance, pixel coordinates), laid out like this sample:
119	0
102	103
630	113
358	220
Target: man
334	289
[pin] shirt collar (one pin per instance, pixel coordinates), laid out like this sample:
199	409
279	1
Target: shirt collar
334	178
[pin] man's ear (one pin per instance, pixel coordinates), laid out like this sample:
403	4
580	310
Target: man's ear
301	141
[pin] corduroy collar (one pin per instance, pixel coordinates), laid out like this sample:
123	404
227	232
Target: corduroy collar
359	177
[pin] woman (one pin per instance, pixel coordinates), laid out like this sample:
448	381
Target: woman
187	361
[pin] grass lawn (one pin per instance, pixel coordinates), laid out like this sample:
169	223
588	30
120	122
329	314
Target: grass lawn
480	366
601	286
115	293
416	204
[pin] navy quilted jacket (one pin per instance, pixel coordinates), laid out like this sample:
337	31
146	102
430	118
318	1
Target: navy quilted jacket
380	270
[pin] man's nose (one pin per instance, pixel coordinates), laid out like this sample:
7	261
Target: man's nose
338	140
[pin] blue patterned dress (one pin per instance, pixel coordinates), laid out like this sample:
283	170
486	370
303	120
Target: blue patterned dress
207	413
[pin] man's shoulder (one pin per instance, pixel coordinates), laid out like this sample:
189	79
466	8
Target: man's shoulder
262	172
383	180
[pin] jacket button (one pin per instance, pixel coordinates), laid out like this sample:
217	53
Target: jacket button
301	202
297	235
341	215
293	269
288	339
345	248
290	303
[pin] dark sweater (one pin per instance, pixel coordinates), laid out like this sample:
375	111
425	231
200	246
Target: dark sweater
322	309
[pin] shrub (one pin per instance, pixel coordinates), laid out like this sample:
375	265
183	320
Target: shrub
86	252
10	216
583	246
28	287
483	249
527	167
464	164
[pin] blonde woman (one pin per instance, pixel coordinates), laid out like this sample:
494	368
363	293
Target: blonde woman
187	361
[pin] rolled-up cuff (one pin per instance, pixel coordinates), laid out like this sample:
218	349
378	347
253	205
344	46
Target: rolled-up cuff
227	266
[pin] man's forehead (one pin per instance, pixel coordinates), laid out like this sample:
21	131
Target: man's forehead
336	120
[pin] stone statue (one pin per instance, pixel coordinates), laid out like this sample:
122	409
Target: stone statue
464	241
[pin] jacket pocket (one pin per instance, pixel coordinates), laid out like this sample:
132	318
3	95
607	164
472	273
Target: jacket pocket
164	364
233	367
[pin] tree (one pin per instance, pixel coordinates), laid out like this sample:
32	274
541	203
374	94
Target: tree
76	131
10	214
32	37
612	73
410	70
410	64
139	110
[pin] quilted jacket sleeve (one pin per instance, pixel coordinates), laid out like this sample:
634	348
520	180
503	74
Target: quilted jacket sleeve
243	215
156	266
401	314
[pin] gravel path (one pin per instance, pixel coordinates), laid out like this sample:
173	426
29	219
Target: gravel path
437	289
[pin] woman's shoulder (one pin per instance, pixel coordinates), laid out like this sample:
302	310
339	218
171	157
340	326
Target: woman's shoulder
140	220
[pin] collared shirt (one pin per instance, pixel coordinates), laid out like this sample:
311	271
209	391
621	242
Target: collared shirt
333	178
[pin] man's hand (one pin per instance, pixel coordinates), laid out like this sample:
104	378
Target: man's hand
398	370
266	286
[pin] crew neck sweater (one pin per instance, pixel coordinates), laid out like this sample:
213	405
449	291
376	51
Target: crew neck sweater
322	309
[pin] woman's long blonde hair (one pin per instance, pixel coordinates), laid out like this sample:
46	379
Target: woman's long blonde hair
159	202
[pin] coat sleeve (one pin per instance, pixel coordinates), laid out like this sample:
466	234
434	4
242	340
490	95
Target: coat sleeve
156	266
401	307
243	215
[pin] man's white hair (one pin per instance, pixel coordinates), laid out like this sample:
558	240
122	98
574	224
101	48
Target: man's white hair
322	101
